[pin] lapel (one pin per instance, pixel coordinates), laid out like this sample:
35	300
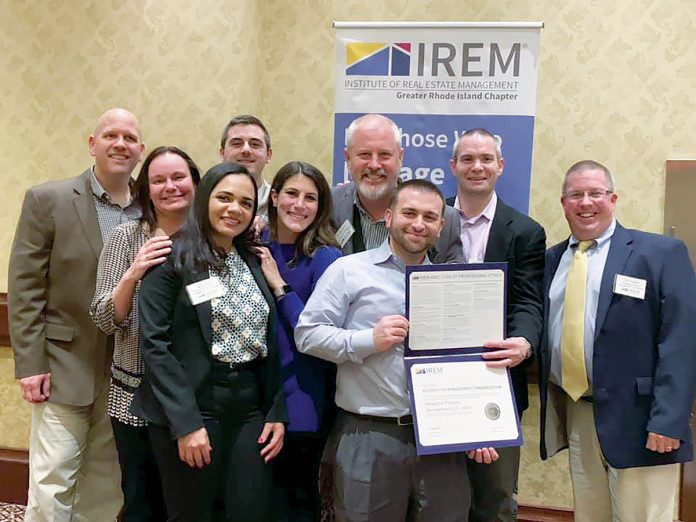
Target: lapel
343	198
553	258
83	201
500	235
619	251
204	309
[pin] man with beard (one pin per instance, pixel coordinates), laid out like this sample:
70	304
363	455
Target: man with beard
373	155
355	318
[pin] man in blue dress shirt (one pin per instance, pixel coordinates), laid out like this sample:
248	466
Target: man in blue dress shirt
355	318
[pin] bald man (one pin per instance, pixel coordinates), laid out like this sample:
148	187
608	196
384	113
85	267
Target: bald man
61	359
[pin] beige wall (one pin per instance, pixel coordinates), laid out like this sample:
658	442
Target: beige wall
617	82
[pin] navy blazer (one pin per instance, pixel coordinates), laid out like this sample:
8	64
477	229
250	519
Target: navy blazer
175	341
644	360
447	249
519	241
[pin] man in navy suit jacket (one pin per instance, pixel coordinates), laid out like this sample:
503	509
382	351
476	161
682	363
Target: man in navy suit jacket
495	232
627	433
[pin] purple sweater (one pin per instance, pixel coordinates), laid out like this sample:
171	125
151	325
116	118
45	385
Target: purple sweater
306	379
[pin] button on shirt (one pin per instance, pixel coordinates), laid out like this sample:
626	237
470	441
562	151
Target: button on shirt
596	259
475	230
337	323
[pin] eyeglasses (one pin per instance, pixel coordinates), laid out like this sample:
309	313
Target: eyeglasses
594	195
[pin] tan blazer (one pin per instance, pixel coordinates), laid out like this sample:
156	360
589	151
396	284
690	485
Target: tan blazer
52	275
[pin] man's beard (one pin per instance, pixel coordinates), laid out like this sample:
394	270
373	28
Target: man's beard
373	193
399	236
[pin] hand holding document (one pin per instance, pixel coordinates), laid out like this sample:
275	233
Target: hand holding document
459	402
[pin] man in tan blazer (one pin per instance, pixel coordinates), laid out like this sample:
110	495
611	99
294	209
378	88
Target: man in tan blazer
61	359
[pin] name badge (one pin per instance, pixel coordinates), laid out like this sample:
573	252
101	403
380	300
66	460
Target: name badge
344	233
205	290
630	286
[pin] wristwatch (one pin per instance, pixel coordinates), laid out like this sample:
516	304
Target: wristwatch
285	289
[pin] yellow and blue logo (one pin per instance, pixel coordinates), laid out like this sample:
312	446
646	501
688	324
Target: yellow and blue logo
378	59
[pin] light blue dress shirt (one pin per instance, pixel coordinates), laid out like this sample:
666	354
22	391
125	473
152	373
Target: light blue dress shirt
596	259
351	297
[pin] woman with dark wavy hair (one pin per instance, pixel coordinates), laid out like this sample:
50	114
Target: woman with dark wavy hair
301	246
164	190
212	391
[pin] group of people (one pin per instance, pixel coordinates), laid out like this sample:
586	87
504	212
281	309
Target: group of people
218	347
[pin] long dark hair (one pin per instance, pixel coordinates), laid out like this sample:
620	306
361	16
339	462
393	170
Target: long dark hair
141	187
196	250
321	231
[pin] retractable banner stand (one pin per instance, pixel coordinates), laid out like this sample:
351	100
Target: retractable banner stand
436	80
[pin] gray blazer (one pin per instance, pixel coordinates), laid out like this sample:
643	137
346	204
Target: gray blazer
52	275
448	248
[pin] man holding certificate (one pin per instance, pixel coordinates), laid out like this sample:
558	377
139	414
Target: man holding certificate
491	231
355	318
618	360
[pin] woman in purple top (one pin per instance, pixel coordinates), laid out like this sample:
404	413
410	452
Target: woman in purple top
301	244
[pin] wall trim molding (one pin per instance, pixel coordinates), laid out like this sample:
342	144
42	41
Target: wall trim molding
544	514
14	470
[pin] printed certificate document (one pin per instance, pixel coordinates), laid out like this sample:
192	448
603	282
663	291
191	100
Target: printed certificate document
459	404
455	306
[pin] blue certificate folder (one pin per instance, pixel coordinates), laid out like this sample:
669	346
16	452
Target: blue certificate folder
452	322
460	415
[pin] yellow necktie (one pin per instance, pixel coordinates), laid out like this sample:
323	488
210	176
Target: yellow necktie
573	371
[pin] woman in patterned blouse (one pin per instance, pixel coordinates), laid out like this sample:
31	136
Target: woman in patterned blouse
164	190
212	391
301	246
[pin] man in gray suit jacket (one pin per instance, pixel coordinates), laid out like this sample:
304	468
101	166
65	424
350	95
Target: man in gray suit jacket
373	155
61	360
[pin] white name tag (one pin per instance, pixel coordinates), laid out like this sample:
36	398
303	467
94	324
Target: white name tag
205	290
344	233
630	286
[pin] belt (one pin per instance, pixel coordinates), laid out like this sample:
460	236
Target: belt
404	420
235	367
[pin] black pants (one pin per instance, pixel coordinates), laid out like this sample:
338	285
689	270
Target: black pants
237	485
140	479
297	475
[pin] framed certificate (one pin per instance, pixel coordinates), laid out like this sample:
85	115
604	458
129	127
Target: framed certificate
459	404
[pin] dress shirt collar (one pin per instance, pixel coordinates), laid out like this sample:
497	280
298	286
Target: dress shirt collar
384	253
264	191
600	241
99	190
488	211
356	200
